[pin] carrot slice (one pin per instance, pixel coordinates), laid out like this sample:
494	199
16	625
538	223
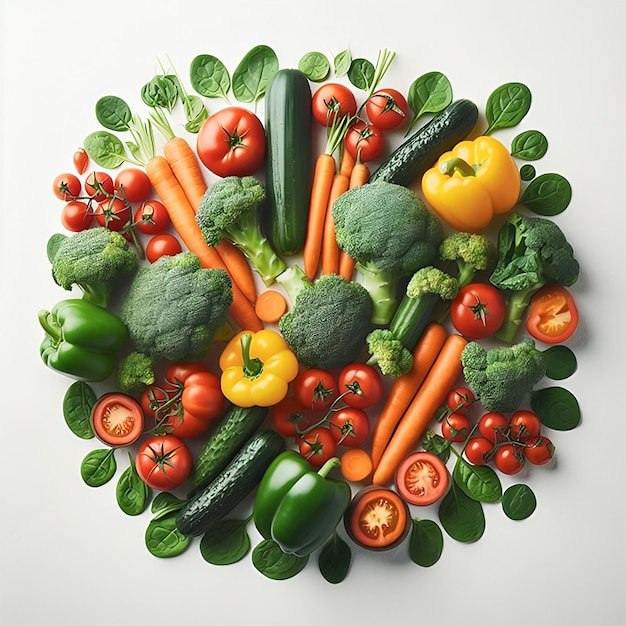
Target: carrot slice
271	305
356	465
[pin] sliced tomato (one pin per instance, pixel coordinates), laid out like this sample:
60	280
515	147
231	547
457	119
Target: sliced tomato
117	419
552	315
422	478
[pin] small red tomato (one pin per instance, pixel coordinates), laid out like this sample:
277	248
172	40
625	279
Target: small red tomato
315	388
152	218
456	426
99	186
478	310
317	446
76	216
364	141
289	418
164	462
113	213
66	187
524	426
332	100
81	160
509	458
478	450
349	426
387	109
460	399
494	427
540	451
133	184
364	382
162	245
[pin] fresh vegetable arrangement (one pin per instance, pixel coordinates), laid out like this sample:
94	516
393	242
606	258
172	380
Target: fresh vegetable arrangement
343	351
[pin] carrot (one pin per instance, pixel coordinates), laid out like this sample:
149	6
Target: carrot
356	465
330	250
346	163
427	400
271	305
239	268
405	387
184	222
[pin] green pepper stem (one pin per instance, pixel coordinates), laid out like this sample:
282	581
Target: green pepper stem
328	466
251	367
456	164
53	330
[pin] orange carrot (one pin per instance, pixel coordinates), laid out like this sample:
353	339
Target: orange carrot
330	250
405	387
427	400
271	305
356	465
238	267
346	163
184	222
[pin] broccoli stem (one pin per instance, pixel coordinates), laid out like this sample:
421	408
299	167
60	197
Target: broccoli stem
516	308
97	293
293	281
382	287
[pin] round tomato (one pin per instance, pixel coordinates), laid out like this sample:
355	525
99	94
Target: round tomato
202	396
456	426
317	446
332	100
289	418
81	160
164	462
478	310
509	458
460	399
540	451
387	109
315	388
133	184
66	187
152	218
349	426
114	213
231	142
422	478
361	385
162	245
76	216
524	426
552	315
99	185
478	450
117	419
377	518
364	141
494	427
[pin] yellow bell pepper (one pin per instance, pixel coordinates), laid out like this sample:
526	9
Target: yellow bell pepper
257	368
471	183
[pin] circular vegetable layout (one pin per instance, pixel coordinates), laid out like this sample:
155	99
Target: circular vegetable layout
117	419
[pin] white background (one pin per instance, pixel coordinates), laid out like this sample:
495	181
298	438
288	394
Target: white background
70	556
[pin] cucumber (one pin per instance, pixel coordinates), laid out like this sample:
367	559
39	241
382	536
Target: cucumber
289	162
235	427
231	486
413	157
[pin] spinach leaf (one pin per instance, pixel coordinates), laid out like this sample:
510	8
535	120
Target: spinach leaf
430	93
436	444
315	66
519	502
161	91
226	543
163	539
361	73
548	195
479	482
195	113
105	149
507	106
131	493
561	362
98	467
113	113
557	408
461	517
425	542
342	62
78	401
253	74
166	503
209	77
530	145
53	245
272	562
335	559
527	172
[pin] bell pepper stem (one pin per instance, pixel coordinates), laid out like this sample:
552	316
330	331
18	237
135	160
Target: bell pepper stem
251	367
328	466
456	164
52	330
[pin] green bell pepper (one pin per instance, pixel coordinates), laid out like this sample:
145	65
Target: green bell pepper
298	507
81	339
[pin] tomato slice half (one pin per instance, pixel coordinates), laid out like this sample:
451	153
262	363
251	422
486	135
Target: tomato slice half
422	478
117	419
552	315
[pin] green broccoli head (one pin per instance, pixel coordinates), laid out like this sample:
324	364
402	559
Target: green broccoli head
471	252
500	377
328	322
388	353
91	259
432	280
135	372
175	306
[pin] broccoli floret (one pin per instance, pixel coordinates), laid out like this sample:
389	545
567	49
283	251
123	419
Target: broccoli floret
388	353
390	233
91	259
175	306
532	252
135	372
328	322
471	252
230	208
500	377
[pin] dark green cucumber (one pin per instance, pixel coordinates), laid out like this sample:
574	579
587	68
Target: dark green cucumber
235	427
289	162
422	149
203	511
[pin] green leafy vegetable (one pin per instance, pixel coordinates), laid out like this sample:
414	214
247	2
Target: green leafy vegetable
53	244
77	404
253	74
530	145
131	493
98	467
163	539
272	562
113	113
518	502
425	542
161	91
430	93
461	517
548	195
105	149
361	73
166	503
479	482
342	63
335	559
226	543
527	172
561	362
557	408
507	106
315	66
209	77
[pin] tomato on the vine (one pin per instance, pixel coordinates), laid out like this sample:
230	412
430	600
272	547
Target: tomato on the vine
478	450
493	427
317	446
364	141
113	213
422	478
133	184
160	245
332	100
460	399
478	310
456	426
540	451
76	216
164	462
315	388
387	109
509	458
99	185
349	426
151	218
365	383
552	315
289	418
67	187
524	426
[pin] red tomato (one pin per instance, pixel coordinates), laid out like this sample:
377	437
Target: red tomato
202	396
552	315
365	383
317	446
162	245
460	399
456	426
377	518
66	187
289	417
364	141
81	160
422	478
76	216
113	213
540	451
478	450
349	426
387	109
509	458
330	100
152	218
231	142
99	185
133	184
178	373
117	419
164	462
494	427
478	310
524	426
315	388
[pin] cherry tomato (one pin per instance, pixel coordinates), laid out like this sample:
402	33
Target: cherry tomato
133	184
231	142
317	446
364	381
99	186
387	109
478	450
179	372
509	458
456	426
364	141
113	213
152	218
460	399
289	417
332	100
540	451
422	478
494	427
164	462
66	187
349	426
117	419
524	426
478	310
162	245
377	518
76	216
315	388
81	160
552	315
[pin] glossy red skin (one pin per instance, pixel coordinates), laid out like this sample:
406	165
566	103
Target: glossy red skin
478	450
113	213
66	187
163	244
133	184
493	427
350	426
540	452
379	112
330	100
317	446
164	476
456	427
524	426
104	180
81	160
315	388
368	379
364	141
289	415
460	398
509	459
76	216
152	218
463	317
